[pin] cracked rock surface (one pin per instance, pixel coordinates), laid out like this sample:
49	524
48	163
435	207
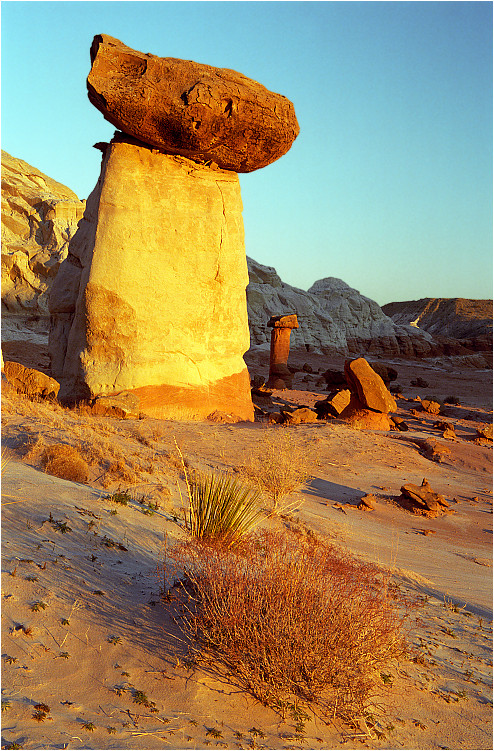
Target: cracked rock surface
182	107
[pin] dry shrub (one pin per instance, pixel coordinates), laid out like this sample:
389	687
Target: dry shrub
64	461
288	619
279	466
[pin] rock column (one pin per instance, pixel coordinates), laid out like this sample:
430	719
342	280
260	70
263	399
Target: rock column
279	374
151	298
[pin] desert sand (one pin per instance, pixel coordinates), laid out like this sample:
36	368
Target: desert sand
84	628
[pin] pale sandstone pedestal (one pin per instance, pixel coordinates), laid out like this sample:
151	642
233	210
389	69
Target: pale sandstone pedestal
151	298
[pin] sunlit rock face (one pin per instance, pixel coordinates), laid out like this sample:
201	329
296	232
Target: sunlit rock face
182	107
39	217
151	298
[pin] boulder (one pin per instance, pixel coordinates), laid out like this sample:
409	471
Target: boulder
361	418
421	499
368	386
124	405
419	383
31	382
399	423
181	107
334	378
151	298
334	404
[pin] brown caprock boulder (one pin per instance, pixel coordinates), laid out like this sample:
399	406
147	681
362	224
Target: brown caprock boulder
368	386
181	107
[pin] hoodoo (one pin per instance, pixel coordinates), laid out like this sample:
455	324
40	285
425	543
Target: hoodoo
151	298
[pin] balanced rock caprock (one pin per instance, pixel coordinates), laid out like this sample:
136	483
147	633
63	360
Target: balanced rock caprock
182	107
151	298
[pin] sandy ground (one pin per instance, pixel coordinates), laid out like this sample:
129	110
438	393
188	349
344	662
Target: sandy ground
101	632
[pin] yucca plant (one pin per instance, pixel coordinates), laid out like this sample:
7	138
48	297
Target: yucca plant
220	508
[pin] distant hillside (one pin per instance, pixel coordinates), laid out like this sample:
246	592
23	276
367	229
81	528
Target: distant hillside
453	317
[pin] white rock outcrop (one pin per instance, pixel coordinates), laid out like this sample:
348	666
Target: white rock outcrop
333	317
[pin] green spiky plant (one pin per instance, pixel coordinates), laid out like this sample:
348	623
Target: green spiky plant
220	508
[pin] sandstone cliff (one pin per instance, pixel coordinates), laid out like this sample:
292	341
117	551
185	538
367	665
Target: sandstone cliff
39	217
333	318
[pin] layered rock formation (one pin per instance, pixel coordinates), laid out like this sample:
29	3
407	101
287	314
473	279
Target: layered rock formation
333	318
182	107
39	218
151	298
452	317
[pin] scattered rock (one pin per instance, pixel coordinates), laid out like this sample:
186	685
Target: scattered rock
419	383
421	499
276	418
223	417
182	107
483	432
441	425
301	415
31	382
399	423
307	368
433	450
367	503
124	405
433	408
333	405
449	434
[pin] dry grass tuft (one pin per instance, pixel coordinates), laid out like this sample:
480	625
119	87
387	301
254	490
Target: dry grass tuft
62	460
286	619
279	466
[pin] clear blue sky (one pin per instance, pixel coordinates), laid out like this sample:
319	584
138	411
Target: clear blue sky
389	184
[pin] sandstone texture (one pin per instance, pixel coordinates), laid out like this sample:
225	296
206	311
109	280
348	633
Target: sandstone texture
28	381
333	318
151	297
39	218
182	107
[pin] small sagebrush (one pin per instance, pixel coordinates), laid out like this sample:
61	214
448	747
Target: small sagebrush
289	619
62	460
279	466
